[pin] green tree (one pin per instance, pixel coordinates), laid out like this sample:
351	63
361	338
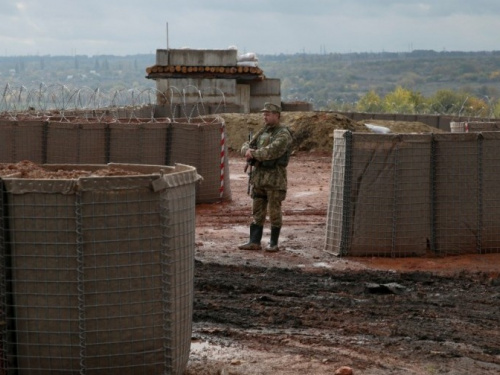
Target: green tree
370	102
400	101
495	112
447	101
475	107
420	103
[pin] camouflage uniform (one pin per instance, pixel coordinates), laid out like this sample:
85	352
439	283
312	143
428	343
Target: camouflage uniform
268	179
269	175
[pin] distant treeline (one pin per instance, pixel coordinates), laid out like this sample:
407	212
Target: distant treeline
330	81
333	81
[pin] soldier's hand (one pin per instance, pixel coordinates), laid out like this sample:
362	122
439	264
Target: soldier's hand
248	154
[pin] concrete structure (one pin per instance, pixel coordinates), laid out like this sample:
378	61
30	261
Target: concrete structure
192	82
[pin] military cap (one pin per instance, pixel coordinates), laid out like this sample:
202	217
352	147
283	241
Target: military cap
270	107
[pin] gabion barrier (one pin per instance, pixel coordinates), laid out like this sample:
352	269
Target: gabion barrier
482	126
474	126
204	146
78	140
96	273
414	194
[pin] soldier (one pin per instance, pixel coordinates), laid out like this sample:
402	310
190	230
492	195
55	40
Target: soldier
268	152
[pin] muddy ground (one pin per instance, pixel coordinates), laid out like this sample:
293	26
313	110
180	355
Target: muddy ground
305	311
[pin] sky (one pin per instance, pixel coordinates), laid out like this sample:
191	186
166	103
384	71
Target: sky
128	27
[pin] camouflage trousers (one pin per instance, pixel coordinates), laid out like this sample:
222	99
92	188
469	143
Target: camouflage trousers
264	199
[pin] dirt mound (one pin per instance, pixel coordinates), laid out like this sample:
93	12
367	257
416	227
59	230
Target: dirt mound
402	126
313	131
29	170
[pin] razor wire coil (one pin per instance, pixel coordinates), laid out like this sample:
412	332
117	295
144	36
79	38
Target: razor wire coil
118	105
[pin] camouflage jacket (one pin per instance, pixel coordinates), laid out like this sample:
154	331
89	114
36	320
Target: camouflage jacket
273	146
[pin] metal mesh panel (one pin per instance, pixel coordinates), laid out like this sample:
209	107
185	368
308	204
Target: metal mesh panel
489	189
412	178
99	273
7	154
372	194
389	195
178	271
337	227
80	143
22	139
143	142
455	193
28	140
201	144
44	307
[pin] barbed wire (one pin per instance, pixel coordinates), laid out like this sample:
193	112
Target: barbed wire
124	103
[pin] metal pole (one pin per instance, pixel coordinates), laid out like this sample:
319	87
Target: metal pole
167	37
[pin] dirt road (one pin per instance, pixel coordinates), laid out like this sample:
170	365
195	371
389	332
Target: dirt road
304	311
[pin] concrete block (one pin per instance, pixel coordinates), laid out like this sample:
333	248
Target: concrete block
196	57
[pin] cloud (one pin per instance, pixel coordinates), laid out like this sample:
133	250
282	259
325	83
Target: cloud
261	26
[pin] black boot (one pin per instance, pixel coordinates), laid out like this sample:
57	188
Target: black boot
255	238
273	243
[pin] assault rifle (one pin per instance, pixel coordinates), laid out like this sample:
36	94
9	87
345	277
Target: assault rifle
249	165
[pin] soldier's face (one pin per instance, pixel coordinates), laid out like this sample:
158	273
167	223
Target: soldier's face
271	118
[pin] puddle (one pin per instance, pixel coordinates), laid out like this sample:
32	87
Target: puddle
238	177
321	265
303	194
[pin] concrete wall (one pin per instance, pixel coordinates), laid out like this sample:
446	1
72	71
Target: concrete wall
268	90
188	97
243	97
194	57
297	107
202	93
215	95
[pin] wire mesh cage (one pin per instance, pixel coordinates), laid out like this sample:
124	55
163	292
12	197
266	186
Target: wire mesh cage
379	202
199	142
22	139
482	126
97	272
139	141
77	141
414	194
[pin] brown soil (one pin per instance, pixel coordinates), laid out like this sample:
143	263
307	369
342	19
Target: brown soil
305	311
313	131
29	170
